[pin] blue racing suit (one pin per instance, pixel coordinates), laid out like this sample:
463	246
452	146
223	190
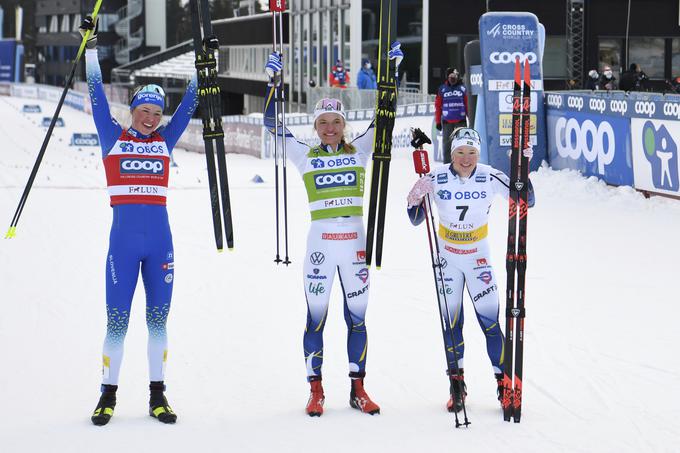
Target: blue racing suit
137	170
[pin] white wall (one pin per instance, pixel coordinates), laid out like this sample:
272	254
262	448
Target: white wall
154	23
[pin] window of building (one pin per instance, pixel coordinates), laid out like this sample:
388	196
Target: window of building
77	20
649	53
54	24
675	64
65	24
610	54
555	57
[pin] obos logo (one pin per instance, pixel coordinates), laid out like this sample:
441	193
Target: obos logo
317	163
555	100
618	106
341	162
475	195
575	102
597	105
328	180
661	152
510	57
476	80
127	147
141	166
671	109
594	142
645	108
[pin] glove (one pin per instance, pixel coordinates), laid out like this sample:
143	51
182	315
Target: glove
439	126
421	188
528	151
89	24
395	53
274	66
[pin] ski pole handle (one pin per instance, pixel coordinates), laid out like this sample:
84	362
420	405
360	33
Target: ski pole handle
421	162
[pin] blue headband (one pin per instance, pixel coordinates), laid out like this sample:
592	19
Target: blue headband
147	97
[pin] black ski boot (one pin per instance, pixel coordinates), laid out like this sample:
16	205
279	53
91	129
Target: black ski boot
499	384
158	403
458	392
107	402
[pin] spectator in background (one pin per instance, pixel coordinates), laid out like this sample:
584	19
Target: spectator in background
592	81
675	85
366	77
339	76
450	109
633	79
607	80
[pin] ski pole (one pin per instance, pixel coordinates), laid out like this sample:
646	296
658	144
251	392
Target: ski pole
273	7
422	167
282	99
24	196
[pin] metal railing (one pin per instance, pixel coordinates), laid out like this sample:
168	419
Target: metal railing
355	99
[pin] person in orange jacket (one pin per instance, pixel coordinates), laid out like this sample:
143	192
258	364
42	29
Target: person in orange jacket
339	76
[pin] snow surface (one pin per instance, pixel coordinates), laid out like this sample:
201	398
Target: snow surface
601	327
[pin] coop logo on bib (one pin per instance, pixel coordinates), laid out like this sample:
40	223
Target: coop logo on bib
330	180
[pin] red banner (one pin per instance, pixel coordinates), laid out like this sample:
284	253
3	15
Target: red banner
278	6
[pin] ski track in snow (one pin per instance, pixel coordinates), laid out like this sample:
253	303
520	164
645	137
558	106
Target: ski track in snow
602	285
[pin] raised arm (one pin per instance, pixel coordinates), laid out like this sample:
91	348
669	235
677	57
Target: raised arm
180	119
107	127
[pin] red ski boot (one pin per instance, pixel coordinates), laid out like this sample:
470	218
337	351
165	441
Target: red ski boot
316	399
359	399
458	392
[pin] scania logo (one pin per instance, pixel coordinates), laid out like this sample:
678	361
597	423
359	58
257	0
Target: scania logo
618	106
594	142
317	258
476	80
555	100
152	166
597	105
671	109
575	102
510	57
328	180
645	108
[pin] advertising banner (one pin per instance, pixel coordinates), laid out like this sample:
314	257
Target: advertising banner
655	155
594	144
504	37
8	49
31	108
84	139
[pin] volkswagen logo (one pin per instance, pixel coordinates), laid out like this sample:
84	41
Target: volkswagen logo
317	258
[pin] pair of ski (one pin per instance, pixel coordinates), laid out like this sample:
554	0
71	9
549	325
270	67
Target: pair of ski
516	257
385	114
209	98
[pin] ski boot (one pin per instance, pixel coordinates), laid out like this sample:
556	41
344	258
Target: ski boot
107	402
158	403
358	398
458	392
499	384
315	404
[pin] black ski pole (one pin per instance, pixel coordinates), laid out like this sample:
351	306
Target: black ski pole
282	98
24	196
274	5
422	166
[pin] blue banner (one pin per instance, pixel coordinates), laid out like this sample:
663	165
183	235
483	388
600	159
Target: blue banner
46	121
594	144
31	108
79	139
503	38
7	60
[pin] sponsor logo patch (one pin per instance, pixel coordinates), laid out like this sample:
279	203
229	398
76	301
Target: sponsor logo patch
339	236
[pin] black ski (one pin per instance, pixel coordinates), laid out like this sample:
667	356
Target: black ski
511	398
385	114
205	46
522	244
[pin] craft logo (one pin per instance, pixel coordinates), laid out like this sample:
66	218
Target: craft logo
485	277
317	258
661	152
363	275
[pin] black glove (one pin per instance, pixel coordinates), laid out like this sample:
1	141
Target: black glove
89	24
439	126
